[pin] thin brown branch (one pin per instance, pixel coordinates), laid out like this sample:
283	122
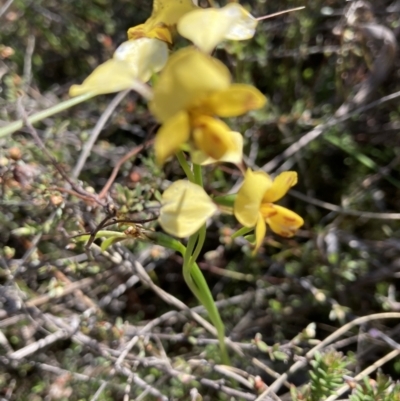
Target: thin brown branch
117	167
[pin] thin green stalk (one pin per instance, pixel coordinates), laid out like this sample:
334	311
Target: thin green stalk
208	302
199	286
198	174
190	247
242	231
188	262
195	281
41	115
199	246
166	241
185	166
225	200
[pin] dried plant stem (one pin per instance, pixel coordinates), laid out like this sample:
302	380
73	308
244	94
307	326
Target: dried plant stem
96	132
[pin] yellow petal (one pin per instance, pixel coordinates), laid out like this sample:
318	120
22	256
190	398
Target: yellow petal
282	183
234	155
111	76
284	222
249	197
158	32
261	229
136	32
186	80
169	12
171	135
234	101
145	56
186	207
212	136
206	28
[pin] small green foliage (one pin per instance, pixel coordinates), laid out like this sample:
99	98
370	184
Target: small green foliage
381	389
326	376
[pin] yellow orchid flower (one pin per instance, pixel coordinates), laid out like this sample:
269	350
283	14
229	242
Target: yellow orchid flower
206	28
192	89
133	60
185	208
254	205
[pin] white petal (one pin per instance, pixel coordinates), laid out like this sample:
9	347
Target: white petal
244	26
145	56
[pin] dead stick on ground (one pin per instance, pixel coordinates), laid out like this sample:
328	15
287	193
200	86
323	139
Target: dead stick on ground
50	339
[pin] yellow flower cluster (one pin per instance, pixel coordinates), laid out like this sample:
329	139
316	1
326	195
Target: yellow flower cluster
191	96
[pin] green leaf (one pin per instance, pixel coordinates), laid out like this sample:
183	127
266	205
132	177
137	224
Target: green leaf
110	241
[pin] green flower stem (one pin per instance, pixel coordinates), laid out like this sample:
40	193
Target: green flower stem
166	241
207	301
200	242
225	200
41	115
185	166
195	280
242	231
190	248
198	174
100	234
198	285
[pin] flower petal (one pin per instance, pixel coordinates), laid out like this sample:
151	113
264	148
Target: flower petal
112	76
206	28
261	229
142	31
145	56
284	222
211	136
186	80
234	155
234	101
168	12
186	207
171	135
244	26
249	197
281	185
